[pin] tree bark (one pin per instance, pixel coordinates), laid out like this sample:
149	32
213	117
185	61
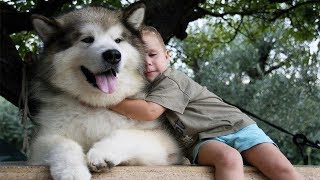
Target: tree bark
171	18
10	69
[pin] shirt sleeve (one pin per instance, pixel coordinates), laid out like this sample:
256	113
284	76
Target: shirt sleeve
169	95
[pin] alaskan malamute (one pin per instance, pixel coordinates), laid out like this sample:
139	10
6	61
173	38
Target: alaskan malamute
92	58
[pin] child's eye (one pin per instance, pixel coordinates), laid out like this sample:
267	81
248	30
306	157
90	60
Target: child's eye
151	55
89	39
118	40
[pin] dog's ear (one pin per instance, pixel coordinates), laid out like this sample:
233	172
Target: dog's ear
134	14
45	27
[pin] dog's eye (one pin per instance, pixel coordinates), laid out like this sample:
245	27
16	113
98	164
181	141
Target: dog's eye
88	39
118	40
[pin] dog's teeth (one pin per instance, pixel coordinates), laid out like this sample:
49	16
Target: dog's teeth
114	72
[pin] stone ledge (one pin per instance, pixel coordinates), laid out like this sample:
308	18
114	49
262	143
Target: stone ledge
17	172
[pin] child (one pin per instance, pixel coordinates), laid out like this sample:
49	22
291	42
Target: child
213	133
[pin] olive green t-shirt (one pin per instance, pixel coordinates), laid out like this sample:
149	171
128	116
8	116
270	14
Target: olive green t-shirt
194	112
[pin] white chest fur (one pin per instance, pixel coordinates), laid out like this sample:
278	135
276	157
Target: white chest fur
84	124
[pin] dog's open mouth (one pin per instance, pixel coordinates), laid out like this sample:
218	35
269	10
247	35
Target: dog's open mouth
105	81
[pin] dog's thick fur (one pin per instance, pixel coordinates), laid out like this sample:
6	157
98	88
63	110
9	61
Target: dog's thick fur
92	58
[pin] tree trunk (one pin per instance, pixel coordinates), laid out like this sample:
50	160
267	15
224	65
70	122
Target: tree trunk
10	69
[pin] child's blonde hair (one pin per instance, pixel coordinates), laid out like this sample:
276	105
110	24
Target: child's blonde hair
149	30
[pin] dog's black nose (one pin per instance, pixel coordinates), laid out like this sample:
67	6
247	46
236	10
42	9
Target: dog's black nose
112	56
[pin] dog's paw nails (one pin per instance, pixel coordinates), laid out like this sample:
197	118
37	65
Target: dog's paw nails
98	161
96	167
109	164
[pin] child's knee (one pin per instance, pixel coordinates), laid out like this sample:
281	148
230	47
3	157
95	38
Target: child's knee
212	153
230	158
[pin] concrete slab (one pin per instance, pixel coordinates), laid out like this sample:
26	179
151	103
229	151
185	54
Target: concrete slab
13	171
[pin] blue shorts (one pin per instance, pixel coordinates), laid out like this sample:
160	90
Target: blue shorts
241	140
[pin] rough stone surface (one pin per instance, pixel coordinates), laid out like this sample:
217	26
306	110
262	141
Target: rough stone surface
13	171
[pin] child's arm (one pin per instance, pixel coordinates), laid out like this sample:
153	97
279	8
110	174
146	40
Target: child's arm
139	109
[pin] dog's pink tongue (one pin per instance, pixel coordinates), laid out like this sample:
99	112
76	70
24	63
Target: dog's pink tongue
106	83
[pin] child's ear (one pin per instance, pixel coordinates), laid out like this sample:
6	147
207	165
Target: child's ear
167	55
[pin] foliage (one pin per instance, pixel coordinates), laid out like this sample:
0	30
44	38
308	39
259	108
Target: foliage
11	128
26	42
301	15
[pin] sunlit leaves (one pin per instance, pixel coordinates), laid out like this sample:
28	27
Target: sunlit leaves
26	42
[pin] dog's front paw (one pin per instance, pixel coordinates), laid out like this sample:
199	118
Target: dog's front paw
71	173
101	160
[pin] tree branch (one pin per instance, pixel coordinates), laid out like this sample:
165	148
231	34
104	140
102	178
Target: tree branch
280	13
237	30
272	68
49	8
242	13
9	18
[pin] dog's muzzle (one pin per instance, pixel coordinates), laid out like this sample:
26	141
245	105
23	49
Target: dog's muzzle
107	80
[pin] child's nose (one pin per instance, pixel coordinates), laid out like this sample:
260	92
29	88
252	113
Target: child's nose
148	61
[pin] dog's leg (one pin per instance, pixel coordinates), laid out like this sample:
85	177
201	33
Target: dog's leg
64	156
132	147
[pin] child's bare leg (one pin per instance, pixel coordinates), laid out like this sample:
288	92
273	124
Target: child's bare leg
271	162
226	160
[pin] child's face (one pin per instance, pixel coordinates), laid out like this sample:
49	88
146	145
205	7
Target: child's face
157	58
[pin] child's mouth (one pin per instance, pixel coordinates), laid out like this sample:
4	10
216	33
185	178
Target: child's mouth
149	72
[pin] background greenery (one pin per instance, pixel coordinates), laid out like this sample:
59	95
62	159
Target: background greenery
270	68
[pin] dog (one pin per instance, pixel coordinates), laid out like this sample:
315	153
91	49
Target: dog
92	58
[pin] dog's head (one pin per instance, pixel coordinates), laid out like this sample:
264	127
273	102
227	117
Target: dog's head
93	54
